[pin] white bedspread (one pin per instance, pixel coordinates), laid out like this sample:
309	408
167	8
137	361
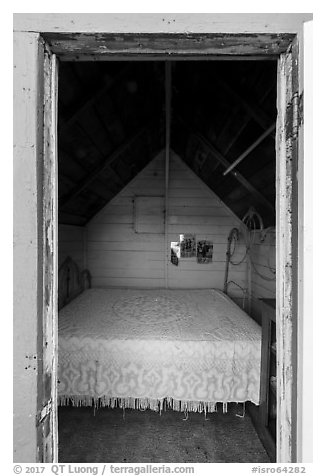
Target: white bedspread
140	348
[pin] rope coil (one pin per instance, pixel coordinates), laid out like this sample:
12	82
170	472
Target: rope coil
253	222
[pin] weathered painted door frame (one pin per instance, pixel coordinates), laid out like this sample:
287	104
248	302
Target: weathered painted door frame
107	46
47	424
287	158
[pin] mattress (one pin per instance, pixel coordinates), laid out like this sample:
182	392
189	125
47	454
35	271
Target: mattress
186	349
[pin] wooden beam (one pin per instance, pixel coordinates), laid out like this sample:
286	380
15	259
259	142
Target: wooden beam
222	160
107	45
167	162
247	120
91	57
65	155
102	166
92	141
90	100
86	171
250	149
254	109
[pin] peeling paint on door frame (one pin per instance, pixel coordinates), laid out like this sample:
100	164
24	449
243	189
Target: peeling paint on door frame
285	46
47	424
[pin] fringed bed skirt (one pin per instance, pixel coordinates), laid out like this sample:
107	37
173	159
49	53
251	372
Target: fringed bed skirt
157	405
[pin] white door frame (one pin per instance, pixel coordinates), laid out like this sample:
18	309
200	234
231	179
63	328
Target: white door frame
191	36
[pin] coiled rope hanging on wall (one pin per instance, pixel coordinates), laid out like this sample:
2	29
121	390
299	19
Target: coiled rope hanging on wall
253	222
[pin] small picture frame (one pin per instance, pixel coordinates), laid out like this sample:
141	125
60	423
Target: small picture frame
204	251
187	245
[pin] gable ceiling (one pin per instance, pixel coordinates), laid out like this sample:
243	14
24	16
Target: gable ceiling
111	123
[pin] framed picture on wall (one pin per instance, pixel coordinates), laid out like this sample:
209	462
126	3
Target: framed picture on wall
187	245
204	251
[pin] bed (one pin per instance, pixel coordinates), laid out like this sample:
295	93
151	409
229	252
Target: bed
156	348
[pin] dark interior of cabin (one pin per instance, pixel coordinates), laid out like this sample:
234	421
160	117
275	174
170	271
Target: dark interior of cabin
151	153
112	123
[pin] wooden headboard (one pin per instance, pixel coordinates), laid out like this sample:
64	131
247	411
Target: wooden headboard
71	281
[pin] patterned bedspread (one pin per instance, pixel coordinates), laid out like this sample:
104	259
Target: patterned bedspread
188	349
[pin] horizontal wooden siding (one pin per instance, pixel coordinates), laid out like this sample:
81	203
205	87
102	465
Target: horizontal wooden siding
118	255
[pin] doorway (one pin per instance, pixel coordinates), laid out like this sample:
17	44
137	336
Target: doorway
112	128
287	158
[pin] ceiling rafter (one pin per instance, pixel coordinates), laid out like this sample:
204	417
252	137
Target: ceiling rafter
252	107
222	160
86	170
250	149
90	138
102	166
64	154
91	99
217	119
247	119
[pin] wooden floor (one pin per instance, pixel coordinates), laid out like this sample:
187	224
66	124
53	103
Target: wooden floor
140	437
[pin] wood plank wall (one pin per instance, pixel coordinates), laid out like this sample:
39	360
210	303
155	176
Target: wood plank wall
72	243
194	208
118	256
